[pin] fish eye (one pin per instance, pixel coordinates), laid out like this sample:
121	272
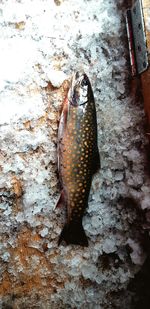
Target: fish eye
84	82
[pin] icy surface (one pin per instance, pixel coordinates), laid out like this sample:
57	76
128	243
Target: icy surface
42	43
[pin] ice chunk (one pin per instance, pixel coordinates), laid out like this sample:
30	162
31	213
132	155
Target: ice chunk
119	176
56	77
109	245
6	256
89	271
138	256
145	202
44	232
96	221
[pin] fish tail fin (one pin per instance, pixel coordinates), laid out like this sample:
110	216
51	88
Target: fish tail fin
73	233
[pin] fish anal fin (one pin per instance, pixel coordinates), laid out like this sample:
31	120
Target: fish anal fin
96	161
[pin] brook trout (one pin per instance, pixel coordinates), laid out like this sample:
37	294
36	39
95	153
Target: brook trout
78	156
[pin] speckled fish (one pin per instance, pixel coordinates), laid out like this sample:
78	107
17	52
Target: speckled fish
78	156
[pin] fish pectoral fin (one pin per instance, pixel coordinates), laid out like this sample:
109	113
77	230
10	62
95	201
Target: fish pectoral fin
96	161
61	201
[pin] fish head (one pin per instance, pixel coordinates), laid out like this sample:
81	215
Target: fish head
80	90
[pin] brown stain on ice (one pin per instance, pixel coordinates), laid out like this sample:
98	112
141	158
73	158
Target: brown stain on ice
17	186
18	25
28	125
60	96
38	123
17	191
28	278
58	2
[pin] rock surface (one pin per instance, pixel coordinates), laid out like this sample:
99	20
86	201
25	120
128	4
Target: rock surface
42	43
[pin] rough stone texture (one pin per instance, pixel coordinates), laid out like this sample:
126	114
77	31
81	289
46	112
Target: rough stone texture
41	44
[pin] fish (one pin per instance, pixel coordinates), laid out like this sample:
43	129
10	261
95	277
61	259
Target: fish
78	156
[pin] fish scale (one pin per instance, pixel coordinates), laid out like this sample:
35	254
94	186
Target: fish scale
78	156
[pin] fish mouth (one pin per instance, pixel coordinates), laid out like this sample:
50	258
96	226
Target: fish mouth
77	75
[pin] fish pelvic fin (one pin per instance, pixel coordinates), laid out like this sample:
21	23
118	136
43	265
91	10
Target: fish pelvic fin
73	233
61	201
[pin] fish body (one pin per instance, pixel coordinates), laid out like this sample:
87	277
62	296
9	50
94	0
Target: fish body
78	156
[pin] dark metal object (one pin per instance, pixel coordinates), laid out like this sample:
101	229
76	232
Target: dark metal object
137	38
